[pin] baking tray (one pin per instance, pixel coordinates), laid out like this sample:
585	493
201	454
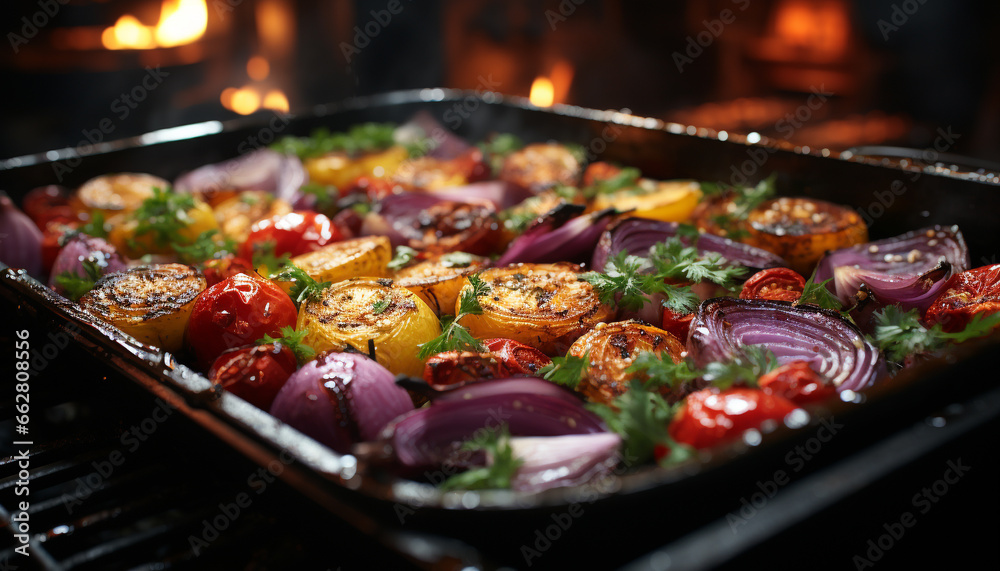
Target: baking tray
893	196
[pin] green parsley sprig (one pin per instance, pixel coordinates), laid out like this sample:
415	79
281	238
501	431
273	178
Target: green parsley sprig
402	258
304	287
208	245
363	138
501	467
76	285
455	337
294	340
263	257
745	368
163	216
745	199
900	333
567	371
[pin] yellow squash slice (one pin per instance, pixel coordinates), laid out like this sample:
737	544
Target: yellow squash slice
439	279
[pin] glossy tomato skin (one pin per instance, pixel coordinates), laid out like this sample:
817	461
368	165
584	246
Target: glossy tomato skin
255	373
47	203
781	284
797	382
966	294
236	312
709	417
520	359
295	233
677	323
52	237
457	368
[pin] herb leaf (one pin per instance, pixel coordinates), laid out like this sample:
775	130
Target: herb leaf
502	466
76	285
378	307
404	255
641	417
900	334
567	371
662	371
205	247
363	138
164	215
455	337
263	257
818	294
293	340
304	288
325	194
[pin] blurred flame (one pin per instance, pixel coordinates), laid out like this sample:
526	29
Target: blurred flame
276	100
181	22
245	101
258	68
543	93
818	25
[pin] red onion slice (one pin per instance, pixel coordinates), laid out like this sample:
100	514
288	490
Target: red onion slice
553	238
501	194
556	461
910	269
637	235
262	169
832	346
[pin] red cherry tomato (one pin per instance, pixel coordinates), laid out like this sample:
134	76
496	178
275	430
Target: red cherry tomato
782	284
294	233
520	359
457	368
52	234
709	417
47	203
236	312
219	269
676	323
255	374
797	382
966	294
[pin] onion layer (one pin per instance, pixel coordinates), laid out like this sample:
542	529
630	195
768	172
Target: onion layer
262	169
910	269
555	238
832	346
438	279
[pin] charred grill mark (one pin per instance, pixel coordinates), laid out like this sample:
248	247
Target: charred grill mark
620	342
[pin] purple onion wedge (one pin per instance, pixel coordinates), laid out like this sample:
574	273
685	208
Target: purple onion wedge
341	399
559	235
637	235
909	270
501	194
83	248
831	345
557	461
262	169
430	437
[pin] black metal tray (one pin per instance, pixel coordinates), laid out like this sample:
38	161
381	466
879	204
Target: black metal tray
894	198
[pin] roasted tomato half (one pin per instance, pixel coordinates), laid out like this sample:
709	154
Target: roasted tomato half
709	417
236	312
255	373
782	284
456	368
520	359
966	294
797	382
294	233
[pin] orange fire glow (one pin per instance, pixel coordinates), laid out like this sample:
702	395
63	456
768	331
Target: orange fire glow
275	100
181	22
248	99
543	93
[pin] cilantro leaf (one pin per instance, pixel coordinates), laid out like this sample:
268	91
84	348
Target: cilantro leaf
746	368
501	468
379	306
818	294
363	138
206	246
455	337
77	286
163	216
95	226
623	276
567	371
900	334
627	178
263	257
293	340
660	370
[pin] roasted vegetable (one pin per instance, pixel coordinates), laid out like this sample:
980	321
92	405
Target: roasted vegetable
546	306
236	215
370	316
801	230
116	193
151	303
540	166
669	201
360	257
438	279
162	222
610	349
339	168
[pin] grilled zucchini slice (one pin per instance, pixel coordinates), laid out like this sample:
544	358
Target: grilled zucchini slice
151	303
370	315
546	306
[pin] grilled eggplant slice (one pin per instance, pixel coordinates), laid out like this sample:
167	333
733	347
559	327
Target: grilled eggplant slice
370	316
546	306
358	257
151	303
541	166
801	230
438	279
611	348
